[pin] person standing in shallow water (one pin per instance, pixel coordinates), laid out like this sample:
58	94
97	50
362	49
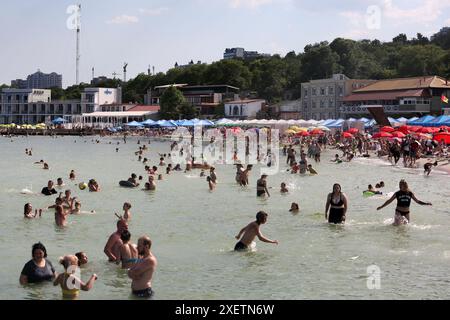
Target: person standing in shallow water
403	196
261	186
337	204
142	272
251	231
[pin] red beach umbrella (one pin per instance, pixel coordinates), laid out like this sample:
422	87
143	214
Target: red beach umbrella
442	136
404	129
347	135
317	131
425	130
387	129
398	134
382	135
353	130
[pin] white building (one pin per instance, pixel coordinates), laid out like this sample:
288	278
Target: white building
32	106
243	109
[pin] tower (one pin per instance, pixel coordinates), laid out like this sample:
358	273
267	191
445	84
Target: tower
78	45
125	65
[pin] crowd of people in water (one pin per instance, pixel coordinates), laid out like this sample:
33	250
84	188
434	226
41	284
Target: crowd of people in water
138	259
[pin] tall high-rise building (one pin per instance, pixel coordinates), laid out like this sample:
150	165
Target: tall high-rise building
39	80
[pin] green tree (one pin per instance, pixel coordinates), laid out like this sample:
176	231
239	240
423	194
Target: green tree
58	94
171	102
187	111
319	62
442	38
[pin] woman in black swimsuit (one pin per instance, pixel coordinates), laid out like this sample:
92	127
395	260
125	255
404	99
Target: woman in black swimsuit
403	196
337	204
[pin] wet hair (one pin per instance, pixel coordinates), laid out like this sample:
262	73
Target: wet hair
125	236
155	168
403	182
133	175
369	186
25	208
79	255
38	246
337	184
127	204
260	216
294	206
140	178
66	263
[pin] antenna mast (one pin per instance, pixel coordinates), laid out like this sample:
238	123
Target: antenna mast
125	65
78	45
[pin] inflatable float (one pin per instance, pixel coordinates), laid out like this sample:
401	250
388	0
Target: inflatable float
127	184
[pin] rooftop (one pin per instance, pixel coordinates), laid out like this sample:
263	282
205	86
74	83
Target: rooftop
406	84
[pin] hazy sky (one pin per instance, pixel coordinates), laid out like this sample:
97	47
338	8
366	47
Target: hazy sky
34	33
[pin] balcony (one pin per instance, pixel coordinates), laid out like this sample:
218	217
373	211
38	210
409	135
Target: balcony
410	108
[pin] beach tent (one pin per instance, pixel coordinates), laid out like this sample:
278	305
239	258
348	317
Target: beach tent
392	120
402	119
134	124
437	122
59	121
365	120
421	121
205	123
185	123
222	121
148	122
326	122
166	124
336	124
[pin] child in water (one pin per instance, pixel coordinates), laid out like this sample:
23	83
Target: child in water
69	281
283	188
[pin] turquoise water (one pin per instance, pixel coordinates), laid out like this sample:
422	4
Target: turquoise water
193	229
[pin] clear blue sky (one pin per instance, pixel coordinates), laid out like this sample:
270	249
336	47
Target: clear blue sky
159	33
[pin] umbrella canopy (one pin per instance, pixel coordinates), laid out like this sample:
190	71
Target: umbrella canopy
442	136
59	121
134	124
185	123
398	134
387	129
323	128
290	131
353	130
148	122
347	135
303	134
205	123
426	130
382	134
421	121
317	132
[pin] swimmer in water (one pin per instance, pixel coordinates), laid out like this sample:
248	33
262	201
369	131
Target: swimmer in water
82	258
202	173
370	188
294	208
70	264
60	183
261	186
28	212
403	196
128	253
336	159
151	182
72	175
311	170
337	204
251	231
126	211
283	188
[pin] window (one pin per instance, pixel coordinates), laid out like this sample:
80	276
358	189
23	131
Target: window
241	110
313	104
322	103
330	90
341	91
235	111
229	112
42	108
314	91
331	104
17	97
305	105
322	91
306	93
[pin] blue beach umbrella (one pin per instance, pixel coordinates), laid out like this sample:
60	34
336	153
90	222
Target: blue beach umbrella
59	121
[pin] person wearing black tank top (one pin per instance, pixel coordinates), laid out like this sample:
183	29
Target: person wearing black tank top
403	196
337	204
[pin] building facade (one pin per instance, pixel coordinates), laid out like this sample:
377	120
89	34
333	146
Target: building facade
240	53
322	99
206	99
39	80
243	109
32	106
399	97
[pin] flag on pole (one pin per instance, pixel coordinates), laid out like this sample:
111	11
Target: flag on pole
444	99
